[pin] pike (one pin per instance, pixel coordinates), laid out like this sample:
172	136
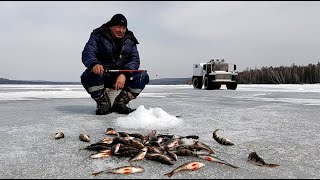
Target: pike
221	140
193	165
217	160
255	159
122	170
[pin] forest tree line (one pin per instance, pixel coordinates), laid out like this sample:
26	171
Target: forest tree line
294	74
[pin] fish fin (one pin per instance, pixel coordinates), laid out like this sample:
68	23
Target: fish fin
225	163
130	162
219	158
231	165
169	174
273	165
96	173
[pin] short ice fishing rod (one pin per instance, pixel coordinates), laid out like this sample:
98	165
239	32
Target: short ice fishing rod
124	70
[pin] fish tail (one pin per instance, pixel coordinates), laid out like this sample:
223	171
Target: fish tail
96	173
130	162
216	130
169	174
231	143
227	142
214	135
219	158
226	163
231	165
273	165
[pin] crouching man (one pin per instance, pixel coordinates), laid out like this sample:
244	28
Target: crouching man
112	46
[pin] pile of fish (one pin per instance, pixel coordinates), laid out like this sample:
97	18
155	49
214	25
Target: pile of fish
160	148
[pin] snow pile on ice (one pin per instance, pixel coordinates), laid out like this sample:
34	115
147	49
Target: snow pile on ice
152	118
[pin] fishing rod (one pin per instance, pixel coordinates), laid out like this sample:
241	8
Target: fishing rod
124	70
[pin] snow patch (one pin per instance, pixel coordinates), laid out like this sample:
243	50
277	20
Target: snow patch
152	118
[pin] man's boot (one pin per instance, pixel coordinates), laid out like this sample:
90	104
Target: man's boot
121	101
103	105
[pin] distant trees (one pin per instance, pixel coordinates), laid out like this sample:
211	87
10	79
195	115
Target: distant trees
294	74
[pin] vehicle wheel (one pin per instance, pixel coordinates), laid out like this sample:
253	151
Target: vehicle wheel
232	86
208	83
197	82
216	86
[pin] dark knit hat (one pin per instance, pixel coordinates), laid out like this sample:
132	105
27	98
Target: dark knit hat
118	19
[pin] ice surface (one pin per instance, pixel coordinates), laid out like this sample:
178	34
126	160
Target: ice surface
279	122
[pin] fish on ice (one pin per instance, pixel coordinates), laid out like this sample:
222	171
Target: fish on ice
255	159
193	165
220	139
122	170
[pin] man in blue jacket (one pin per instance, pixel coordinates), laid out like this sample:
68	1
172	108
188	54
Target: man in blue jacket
112	47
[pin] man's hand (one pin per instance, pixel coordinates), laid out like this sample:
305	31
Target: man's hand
98	69
120	82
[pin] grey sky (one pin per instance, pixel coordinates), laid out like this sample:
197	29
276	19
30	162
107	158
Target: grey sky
44	40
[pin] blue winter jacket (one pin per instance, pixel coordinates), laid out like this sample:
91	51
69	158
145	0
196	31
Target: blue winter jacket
100	49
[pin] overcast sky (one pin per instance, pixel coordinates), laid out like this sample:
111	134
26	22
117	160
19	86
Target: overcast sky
44	40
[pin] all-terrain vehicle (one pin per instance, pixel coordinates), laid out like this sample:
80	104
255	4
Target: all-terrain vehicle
213	74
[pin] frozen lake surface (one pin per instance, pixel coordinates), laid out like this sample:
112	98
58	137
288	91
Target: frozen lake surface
279	122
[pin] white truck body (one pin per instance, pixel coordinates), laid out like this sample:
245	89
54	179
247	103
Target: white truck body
213	74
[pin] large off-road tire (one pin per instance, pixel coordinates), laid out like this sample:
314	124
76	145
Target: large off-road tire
216	86
232	85
208	84
197	82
